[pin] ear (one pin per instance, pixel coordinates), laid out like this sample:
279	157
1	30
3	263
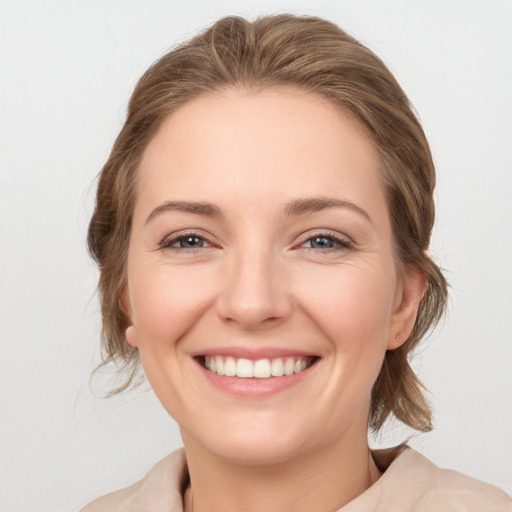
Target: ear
407	301
131	332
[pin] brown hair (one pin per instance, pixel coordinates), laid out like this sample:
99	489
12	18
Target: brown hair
318	56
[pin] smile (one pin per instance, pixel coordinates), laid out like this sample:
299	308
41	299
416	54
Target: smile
259	369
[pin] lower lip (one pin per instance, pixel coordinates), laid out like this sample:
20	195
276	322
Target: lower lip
255	387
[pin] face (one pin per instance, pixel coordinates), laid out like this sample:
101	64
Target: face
262	289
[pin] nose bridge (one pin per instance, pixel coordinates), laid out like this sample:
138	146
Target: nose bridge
254	293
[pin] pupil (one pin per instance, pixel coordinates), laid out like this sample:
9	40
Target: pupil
322	242
191	241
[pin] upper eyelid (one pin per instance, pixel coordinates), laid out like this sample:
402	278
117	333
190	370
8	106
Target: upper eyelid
329	233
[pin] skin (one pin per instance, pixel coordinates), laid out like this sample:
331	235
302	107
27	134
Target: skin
258	277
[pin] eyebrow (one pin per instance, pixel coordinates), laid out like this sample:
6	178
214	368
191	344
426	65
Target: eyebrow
315	204
199	208
293	208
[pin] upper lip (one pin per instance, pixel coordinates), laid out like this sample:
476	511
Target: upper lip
253	353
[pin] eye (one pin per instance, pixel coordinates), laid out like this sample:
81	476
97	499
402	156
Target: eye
185	241
326	242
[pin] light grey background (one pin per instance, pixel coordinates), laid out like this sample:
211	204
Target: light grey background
66	71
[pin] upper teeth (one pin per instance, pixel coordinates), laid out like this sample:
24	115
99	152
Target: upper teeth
261	368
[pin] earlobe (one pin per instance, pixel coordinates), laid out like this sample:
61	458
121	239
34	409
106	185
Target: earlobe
406	308
396	342
131	336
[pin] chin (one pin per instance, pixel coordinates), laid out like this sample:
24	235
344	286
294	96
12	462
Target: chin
257	443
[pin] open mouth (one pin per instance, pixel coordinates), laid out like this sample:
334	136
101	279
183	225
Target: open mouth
259	369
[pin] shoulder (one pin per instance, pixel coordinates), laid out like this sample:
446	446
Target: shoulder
160	489
432	489
457	492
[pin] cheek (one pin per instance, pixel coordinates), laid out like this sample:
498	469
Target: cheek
352	306
166	302
354	297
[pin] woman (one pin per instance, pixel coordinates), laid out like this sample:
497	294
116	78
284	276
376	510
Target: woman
261	229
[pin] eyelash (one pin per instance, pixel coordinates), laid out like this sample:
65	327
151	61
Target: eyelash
168	243
340	243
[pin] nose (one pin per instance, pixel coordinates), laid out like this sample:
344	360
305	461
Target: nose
254	293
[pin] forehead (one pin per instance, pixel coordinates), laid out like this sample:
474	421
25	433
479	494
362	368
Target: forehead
278	140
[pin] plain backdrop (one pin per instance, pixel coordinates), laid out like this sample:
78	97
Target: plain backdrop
67	69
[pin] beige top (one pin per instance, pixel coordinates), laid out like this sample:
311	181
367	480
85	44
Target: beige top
411	483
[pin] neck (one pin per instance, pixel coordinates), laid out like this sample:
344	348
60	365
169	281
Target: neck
324	480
